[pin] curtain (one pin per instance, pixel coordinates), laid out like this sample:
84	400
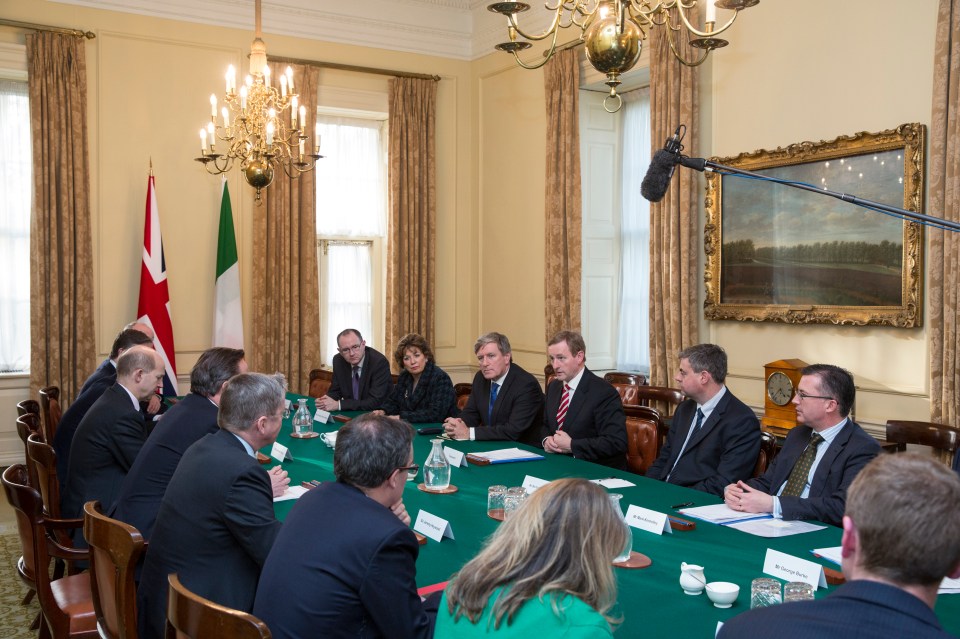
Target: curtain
15	178
944	185
411	233
563	200
674	227
286	316
633	344
61	256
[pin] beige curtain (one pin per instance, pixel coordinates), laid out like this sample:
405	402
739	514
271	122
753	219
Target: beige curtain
286	311
563	201
944	185
412	229
674	227
62	348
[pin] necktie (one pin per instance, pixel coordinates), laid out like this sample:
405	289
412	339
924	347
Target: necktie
801	470
494	389
690	435
564	404
356	382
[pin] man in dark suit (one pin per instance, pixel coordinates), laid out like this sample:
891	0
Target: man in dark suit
216	523
357	575
819	460
899	542
714	438
102	378
583	415
361	376
111	433
506	401
183	425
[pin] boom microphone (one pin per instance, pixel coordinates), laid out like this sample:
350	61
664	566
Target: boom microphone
664	163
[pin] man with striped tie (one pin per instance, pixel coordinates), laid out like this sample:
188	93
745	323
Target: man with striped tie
819	460
583	416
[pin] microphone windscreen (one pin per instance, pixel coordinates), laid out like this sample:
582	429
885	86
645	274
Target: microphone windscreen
657	180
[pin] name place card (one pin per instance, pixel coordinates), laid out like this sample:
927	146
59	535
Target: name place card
432	526
784	566
531	484
649	520
455	457
321	416
280	452
286	404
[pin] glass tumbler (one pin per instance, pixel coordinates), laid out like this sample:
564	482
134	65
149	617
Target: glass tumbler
512	500
765	592
797	591
495	495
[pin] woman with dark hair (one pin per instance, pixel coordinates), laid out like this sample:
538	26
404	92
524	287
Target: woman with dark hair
424	393
546	572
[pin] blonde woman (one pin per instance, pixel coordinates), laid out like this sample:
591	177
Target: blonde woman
546	571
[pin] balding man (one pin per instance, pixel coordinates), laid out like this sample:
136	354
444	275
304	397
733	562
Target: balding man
111	433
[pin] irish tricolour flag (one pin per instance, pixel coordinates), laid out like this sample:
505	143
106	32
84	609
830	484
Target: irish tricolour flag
228	317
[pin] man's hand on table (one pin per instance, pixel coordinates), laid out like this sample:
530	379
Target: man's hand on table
456	428
278	480
743	498
327	403
559	442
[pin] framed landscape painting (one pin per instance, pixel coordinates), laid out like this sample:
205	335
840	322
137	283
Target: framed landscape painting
780	254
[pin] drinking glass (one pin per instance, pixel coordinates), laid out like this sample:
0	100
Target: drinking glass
797	591
495	495
765	592
512	500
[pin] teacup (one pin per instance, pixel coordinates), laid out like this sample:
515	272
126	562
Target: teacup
722	593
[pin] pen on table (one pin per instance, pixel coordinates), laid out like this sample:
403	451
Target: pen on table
685	504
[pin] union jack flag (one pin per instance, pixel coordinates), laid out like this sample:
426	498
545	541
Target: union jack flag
154	305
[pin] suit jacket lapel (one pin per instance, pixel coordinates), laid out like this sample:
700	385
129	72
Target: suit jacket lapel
498	402
710	422
579	397
826	462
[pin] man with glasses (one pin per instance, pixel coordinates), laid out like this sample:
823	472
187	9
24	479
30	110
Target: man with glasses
344	564
819	460
361	375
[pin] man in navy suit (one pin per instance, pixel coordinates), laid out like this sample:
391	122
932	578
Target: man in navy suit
216	523
819	460
715	438
111	433
583	415
361	376
344	564
183	425
899	542
506	401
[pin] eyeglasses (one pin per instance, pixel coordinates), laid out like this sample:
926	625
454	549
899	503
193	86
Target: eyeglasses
803	395
412	469
351	349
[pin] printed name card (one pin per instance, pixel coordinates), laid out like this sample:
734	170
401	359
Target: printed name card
280	452
321	416
649	520
455	457
531	484
784	566
432	526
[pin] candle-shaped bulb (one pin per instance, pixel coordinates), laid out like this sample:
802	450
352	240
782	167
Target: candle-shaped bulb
270	133
210	133
293	112
303	116
203	141
226	117
266	76
301	149
711	11
213	106
231	79
317	140
289	74
243	97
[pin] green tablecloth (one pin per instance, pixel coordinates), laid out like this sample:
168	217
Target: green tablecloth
651	601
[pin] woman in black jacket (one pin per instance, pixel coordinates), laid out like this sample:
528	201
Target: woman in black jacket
424	393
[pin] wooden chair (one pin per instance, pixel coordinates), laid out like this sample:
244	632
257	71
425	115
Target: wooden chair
320	381
28	425
190	616
943	439
548	375
50	411
44	458
28	407
66	603
663	398
115	549
644	431
768	450
628	385
463	394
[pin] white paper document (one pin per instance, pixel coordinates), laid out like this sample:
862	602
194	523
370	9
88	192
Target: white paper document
613	482
949	586
721	514
293	492
830	554
507	455
770	527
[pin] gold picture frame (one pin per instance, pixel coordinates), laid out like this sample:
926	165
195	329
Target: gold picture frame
779	254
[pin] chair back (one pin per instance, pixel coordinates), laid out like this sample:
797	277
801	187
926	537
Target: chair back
320	381
69	612
28	406
768	450
943	439
663	398
28	425
190	616
548	376
44	459
627	385
644	427
463	392
50	411
115	549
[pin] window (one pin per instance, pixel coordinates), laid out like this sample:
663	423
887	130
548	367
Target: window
351	229
16	181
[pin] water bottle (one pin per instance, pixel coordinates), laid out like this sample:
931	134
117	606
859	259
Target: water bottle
436	470
302	420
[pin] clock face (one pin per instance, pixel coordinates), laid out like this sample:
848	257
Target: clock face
779	389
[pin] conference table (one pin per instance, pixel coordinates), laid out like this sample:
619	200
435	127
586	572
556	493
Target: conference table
651	602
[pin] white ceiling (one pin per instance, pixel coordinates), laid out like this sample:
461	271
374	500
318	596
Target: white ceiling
460	29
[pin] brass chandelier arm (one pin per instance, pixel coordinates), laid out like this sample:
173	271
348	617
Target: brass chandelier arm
671	38
546	54
552	30
705	34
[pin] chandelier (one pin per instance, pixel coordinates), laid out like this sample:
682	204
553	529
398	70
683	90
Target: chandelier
613	31
262	126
